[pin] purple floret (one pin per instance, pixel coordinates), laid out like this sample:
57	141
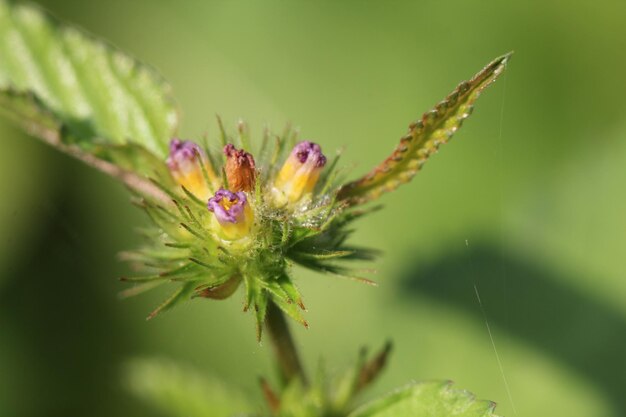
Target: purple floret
234	213
182	151
309	151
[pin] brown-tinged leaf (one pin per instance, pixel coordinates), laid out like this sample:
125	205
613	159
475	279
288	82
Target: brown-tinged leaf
423	139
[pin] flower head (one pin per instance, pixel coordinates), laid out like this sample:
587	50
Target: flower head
209	253
300	172
232	212
190	168
240	169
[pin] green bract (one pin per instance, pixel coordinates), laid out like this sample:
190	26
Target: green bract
186	247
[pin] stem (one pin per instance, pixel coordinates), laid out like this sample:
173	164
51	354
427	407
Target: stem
132	180
284	346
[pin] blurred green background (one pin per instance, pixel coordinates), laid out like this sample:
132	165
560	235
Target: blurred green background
527	203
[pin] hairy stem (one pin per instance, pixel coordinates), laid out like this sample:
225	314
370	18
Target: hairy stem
284	346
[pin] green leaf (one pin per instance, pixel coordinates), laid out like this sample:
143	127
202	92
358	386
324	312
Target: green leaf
260	309
423	139
283	300
179	392
287	285
427	399
181	294
321	256
79	93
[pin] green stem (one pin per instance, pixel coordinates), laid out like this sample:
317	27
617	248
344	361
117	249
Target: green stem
284	346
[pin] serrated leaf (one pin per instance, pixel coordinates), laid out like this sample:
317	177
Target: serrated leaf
79	93
423	139
427	399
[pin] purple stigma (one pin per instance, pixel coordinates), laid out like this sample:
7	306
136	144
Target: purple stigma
227	206
306	151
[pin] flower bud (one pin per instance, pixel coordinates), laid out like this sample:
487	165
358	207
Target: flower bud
232	212
186	162
240	169
300	172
